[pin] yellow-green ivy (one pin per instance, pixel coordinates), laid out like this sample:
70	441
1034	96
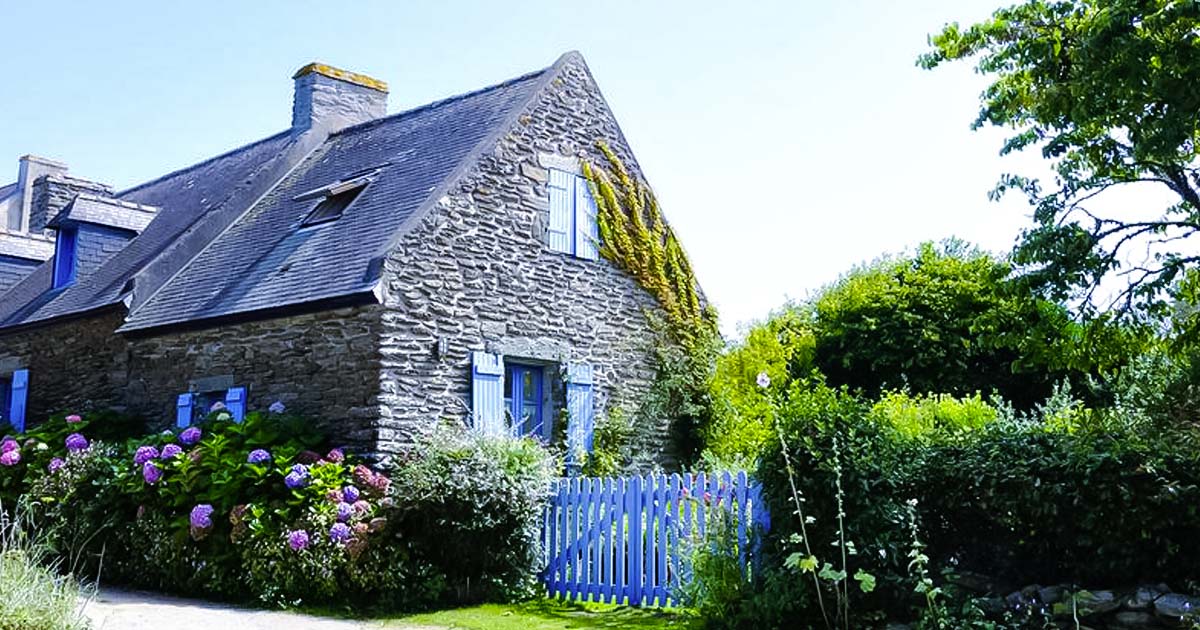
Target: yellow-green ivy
634	236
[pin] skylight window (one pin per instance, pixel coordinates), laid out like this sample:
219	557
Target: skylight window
331	207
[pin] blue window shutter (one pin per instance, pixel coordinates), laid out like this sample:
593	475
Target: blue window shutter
64	257
581	408
487	393
183	410
235	402
562	202
19	395
587	233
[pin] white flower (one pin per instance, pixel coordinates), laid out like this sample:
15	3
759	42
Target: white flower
223	416
276	407
217	406
763	380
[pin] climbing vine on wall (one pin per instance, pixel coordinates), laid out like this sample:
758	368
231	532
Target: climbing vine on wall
634	236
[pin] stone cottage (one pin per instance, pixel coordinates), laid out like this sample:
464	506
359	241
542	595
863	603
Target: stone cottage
376	272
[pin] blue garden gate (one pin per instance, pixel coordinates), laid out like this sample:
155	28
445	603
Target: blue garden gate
630	540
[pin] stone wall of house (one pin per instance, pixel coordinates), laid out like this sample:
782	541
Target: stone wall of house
322	365
477	273
74	365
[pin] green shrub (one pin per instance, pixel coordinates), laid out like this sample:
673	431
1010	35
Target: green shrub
471	507
931	415
1066	496
778	347
252	510
611	445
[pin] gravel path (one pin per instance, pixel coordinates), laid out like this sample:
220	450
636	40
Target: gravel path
118	609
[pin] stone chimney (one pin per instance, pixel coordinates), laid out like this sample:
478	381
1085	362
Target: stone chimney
329	98
29	169
52	192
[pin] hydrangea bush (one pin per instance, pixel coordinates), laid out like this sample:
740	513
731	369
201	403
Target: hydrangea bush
267	508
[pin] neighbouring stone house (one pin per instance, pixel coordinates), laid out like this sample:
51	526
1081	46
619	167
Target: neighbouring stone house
376	272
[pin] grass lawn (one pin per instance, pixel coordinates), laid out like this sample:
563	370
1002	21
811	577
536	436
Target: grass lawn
543	615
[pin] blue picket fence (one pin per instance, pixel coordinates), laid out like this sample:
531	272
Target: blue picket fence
631	540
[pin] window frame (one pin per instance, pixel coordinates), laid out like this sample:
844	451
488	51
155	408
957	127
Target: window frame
311	219
514	372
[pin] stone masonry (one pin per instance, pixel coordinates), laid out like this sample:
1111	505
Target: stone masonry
478	273
324	365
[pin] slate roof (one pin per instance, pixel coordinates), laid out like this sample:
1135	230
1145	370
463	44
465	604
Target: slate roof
184	198
259	257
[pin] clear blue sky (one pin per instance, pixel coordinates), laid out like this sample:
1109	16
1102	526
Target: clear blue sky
788	141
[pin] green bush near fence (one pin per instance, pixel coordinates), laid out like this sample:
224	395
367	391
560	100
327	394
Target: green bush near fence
266	509
1061	495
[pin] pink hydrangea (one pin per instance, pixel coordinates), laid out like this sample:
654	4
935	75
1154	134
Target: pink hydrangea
10	458
9	445
74	418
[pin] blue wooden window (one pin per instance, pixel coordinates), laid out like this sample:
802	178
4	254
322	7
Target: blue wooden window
573	229
184	405
18	393
235	402
523	389
64	257
487	393
581	411
191	406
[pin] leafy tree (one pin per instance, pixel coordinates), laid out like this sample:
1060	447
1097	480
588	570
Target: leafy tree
947	320
1106	90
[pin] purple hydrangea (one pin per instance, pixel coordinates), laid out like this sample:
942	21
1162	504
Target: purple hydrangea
258	456
56	464
217	406
76	442
344	511
298	540
151	473
170	450
11	458
298	478
350	494
144	454
9	445
201	517
339	533
190	436
336	456
276	407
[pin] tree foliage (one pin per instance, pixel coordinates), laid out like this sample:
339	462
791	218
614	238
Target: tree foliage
942	320
1106	91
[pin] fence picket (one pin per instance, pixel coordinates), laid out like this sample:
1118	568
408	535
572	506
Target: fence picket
621	564
742	516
